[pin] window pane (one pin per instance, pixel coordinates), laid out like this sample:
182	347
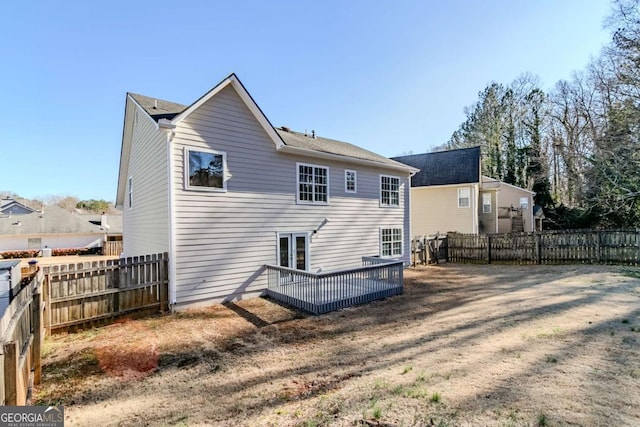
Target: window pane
206	169
313	184
464	197
391	241
486	203
389	191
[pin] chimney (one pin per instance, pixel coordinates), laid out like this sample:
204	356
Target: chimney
103	219
155	104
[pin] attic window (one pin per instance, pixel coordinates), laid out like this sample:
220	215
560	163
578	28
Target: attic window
205	170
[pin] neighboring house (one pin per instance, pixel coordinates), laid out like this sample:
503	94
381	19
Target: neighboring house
10	206
450	194
225	193
53	227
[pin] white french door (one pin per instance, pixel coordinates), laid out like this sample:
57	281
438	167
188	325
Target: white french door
293	250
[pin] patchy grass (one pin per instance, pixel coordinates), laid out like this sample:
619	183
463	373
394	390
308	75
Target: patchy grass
464	345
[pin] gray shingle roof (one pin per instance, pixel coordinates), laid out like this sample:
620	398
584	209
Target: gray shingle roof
331	146
54	220
160	109
460	166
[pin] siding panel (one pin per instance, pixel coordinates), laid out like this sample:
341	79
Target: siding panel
146	225
224	238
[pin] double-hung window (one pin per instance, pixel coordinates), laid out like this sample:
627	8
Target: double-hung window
389	190
486	203
464	197
390	242
205	170
313	184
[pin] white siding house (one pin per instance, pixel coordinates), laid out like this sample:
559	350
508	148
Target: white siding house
226	193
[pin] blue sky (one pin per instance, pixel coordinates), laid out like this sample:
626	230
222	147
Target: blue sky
390	76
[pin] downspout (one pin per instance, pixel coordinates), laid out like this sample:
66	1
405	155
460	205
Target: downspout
476	193
407	212
170	129
533	225
497	204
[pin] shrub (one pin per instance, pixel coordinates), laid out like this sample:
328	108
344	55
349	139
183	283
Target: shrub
65	251
29	253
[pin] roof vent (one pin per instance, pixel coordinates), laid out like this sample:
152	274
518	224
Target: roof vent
284	128
155	104
313	134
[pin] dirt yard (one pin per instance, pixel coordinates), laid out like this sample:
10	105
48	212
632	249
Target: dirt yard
463	346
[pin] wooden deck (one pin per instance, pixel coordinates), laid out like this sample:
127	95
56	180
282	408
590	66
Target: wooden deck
321	293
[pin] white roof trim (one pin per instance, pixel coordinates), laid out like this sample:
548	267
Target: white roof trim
489	179
245	96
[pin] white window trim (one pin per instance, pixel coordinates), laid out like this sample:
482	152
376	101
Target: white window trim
468	197
185	166
389	205
355	181
483	204
130	192
401	242
311	202
527	205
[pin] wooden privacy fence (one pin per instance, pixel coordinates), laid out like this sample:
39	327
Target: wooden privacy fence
548	247
112	247
429	249
22	335
85	293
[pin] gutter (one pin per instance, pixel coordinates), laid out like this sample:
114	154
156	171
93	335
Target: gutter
330	156
170	129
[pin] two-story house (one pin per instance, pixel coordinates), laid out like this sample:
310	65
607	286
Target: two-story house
225	193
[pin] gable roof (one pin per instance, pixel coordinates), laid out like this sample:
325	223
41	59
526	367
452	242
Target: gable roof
12	206
293	142
461	166
54	220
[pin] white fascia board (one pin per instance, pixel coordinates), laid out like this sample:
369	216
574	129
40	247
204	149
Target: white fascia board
330	156
493	180
426	187
246	98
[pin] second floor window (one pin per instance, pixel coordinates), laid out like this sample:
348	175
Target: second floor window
464	197
350	181
389	190
313	184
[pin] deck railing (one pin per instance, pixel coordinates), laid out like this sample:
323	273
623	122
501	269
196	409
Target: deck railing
322	292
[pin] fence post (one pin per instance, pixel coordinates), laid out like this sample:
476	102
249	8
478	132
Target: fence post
538	248
37	338
164	281
11	357
599	247
637	246
488	249
46	299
